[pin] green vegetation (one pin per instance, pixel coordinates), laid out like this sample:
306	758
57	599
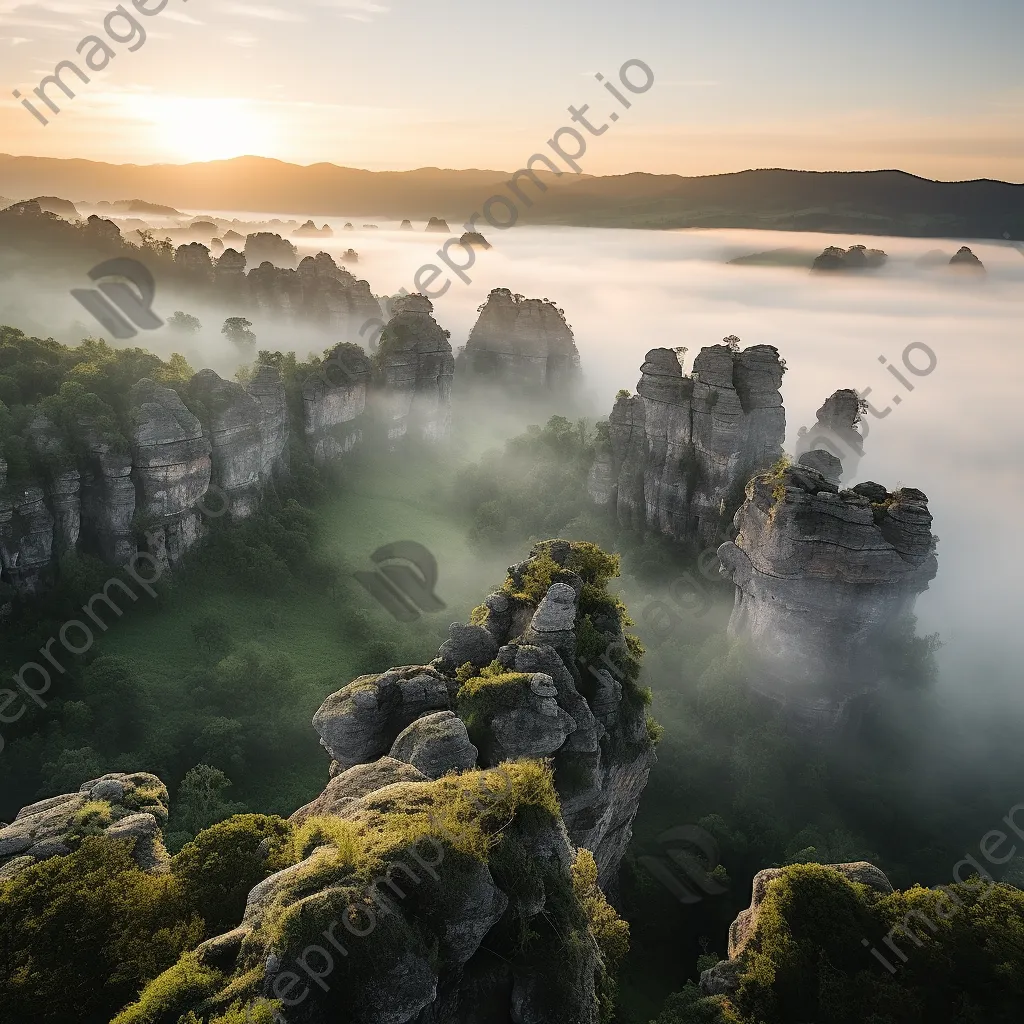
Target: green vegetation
962	956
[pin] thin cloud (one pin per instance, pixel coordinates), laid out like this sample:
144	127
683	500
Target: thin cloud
263	12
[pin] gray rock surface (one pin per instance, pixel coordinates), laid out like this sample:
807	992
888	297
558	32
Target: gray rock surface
129	807
415	373
171	468
436	745
836	432
523	341
822	576
684	447
333	402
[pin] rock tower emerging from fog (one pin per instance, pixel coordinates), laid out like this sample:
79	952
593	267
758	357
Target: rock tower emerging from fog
684	447
522	341
823	577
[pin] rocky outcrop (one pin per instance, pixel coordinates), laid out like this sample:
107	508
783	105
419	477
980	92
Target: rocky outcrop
682	450
310	230
267	247
318	292
857	257
517	684
823	576
414	370
523	341
171	468
723	978
836	432
334	403
474	238
406	225
118	806
965	260
438	224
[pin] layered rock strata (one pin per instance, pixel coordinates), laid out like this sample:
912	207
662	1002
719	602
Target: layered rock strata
334	403
522	341
822	577
683	448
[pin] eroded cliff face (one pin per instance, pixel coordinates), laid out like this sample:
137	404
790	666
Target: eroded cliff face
822	577
684	447
522	341
334	403
414	369
171	468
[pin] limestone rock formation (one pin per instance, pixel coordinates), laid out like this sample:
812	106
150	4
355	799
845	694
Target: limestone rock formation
836	432
310	230
171	469
194	259
406	225
822	577
684	447
333	403
525	341
474	238
119	806
267	247
522	686
233	427
415	370
438	224
965	260
857	257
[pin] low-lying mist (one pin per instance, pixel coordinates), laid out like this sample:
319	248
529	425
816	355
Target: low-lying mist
956	435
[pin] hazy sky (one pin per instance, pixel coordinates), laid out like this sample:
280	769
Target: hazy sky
930	86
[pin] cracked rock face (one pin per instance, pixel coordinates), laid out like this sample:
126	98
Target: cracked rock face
525	341
822	575
171	468
267	388
26	538
131	807
684	447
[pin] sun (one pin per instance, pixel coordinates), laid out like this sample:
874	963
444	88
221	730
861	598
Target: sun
189	129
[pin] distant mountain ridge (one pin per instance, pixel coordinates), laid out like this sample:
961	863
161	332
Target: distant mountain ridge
862	202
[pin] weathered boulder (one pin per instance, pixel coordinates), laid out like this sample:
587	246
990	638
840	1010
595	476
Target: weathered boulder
356	782
435	745
522	342
822	578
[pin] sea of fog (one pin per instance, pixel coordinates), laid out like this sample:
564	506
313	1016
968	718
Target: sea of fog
958	435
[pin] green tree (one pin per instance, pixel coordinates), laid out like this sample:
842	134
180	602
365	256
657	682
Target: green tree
238	330
184	323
